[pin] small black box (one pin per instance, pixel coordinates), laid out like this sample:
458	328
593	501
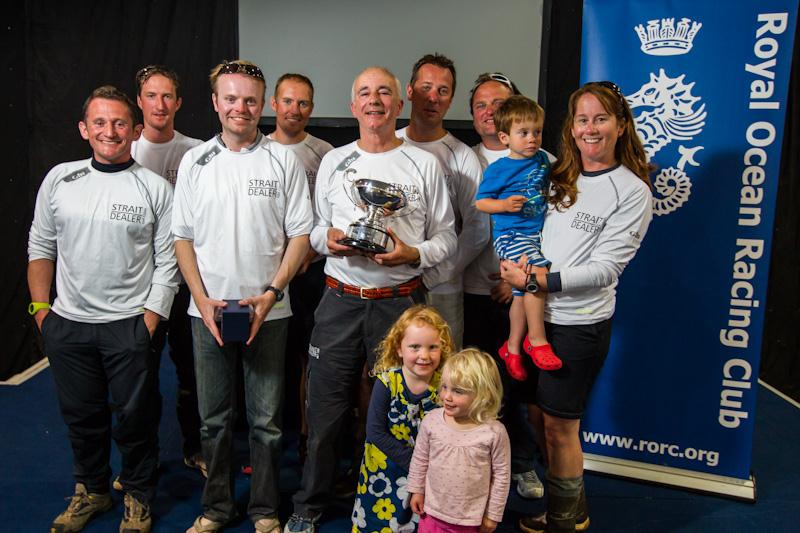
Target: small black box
235	322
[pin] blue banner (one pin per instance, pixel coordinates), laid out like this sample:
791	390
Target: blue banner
707	83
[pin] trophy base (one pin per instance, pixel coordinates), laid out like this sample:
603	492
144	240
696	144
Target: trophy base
366	237
361	244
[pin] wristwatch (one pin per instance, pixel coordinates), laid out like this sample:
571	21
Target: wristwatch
531	285
35	307
278	293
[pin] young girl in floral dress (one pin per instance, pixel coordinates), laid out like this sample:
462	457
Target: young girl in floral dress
407	375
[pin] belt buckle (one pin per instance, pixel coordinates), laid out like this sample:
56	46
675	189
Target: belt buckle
361	293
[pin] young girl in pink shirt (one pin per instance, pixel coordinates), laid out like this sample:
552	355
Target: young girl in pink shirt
460	471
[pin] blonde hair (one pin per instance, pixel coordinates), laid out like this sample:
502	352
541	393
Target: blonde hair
237	66
420	314
476	372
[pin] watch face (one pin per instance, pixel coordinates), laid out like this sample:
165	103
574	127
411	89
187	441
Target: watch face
531	285
278	293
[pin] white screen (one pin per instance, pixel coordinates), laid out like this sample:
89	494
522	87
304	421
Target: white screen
331	42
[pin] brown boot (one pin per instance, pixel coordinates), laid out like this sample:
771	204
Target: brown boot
137	516
562	503
563	507
82	507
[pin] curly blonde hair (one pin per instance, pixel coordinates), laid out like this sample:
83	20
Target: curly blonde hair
476	372
420	314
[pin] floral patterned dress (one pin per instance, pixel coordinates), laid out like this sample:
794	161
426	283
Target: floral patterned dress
382	502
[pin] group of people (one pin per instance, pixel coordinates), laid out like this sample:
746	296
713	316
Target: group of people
156	234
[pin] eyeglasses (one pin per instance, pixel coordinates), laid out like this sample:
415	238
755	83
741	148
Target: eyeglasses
611	86
494	76
232	67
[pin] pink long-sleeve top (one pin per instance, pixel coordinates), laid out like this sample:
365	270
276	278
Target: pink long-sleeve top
464	474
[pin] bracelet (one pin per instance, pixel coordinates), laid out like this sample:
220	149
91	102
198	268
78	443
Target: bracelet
35	307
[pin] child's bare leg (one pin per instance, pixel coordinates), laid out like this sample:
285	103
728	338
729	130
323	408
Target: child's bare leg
534	316
536	344
517	324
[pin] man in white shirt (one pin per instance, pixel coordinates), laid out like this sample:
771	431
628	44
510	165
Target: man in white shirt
241	221
102	226
487	298
293	103
160	149
366	291
430	91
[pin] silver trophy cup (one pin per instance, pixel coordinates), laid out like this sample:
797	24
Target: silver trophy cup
381	200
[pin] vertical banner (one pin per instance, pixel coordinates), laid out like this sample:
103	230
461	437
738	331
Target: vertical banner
707	83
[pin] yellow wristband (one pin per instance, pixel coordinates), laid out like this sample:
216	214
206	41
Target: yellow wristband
35	307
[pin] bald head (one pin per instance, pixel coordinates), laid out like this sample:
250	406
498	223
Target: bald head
358	83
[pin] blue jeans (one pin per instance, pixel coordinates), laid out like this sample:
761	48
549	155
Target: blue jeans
215	368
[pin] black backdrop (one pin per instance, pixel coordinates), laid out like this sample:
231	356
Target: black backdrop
56	53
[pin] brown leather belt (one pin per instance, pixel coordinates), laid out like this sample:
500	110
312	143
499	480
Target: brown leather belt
404	289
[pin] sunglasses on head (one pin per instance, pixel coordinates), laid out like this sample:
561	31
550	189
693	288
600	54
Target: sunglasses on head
232	67
145	72
611	86
493	76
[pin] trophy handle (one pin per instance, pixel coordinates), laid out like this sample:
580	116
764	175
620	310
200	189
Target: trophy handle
350	189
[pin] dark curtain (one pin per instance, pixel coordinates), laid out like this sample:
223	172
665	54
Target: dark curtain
780	350
57	53
560	64
18	350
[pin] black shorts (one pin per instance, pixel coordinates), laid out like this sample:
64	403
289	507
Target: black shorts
583	350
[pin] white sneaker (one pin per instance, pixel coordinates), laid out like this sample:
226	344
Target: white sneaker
528	485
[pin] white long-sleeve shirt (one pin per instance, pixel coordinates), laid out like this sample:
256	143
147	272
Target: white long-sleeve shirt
590	244
239	209
462	172
310	152
464	474
426	223
109	235
163	158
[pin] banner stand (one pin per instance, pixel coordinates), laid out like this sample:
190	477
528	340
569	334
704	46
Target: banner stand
675	403
737	489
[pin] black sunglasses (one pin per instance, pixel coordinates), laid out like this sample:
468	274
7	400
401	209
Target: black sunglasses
611	86
232	67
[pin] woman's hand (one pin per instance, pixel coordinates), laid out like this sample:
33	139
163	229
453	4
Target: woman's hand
512	273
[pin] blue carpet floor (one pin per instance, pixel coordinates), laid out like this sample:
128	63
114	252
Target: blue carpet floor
35	477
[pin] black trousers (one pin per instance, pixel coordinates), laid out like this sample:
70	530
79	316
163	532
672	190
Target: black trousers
486	326
305	292
100	369
178	332
347	331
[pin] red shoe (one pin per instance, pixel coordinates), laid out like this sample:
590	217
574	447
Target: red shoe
514	363
542	355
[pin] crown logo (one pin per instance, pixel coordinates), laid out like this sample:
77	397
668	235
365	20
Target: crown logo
663	38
